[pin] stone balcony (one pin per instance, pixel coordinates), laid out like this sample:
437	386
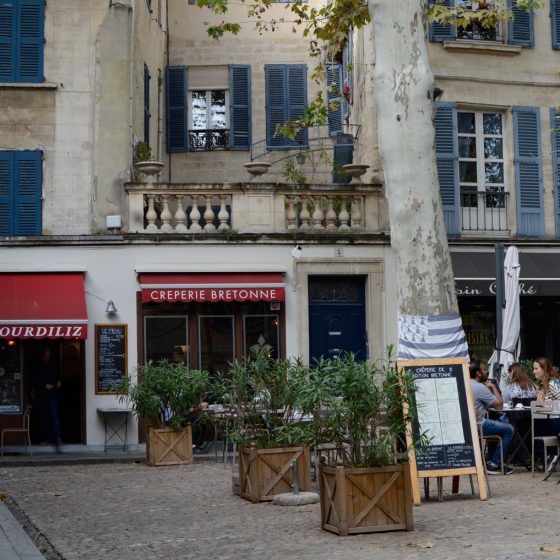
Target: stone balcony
256	208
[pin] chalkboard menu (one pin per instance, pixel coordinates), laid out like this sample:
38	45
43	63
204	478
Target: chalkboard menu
445	414
110	356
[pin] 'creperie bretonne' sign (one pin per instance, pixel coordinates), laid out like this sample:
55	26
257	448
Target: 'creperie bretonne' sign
212	294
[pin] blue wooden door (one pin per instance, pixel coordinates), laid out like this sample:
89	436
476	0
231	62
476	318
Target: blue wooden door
337	319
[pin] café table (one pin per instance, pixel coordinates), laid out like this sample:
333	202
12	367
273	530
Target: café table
520	448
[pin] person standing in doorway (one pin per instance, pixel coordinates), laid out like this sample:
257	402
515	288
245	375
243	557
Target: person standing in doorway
47	386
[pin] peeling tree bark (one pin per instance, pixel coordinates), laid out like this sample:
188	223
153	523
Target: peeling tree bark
403	91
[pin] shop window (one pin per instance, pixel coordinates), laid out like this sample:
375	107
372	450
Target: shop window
261	330
166	338
216	342
10	377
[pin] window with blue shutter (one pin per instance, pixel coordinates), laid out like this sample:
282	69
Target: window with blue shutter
21	40
347	76
240	106
286	100
528	171
447	158
147	78
521	29
555	21
20	193
343	155
438	32
555	128
334	98
177	109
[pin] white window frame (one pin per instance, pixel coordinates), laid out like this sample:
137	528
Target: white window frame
208	108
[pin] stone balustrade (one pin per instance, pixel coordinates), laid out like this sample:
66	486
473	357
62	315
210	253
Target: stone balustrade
255	207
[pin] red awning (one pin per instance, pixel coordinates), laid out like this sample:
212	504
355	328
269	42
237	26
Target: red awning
234	286
42	305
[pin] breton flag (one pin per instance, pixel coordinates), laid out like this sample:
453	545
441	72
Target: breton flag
431	337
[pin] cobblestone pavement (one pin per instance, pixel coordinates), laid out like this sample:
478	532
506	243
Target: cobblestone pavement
130	511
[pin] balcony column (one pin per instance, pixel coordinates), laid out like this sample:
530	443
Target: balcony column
304	216
180	216
165	214
209	215
331	214
195	215
357	213
291	214
151	214
223	214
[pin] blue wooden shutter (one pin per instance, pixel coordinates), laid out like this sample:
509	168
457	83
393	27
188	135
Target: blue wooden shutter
147	78
177	139
276	101
240	107
8	52
297	99
521	29
30	43
555	19
27	195
528	171
447	157
440	32
334	98
6	192
555	128
343	154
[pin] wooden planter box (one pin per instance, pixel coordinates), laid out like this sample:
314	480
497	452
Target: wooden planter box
365	500
263	473
166	446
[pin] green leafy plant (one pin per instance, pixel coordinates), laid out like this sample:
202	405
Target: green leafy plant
164	393
143	152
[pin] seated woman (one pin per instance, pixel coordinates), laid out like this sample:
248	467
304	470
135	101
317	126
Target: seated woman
548	389
521	387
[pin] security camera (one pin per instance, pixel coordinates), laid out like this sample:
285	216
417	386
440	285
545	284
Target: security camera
296	252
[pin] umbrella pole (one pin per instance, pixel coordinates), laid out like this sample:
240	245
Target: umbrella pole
500	304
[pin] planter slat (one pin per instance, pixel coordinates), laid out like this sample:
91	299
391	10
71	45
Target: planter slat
365	500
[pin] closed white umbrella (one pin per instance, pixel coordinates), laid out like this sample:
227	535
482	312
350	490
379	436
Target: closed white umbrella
511	317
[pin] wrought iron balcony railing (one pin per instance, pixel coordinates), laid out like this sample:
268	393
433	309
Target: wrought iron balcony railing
209	140
484	211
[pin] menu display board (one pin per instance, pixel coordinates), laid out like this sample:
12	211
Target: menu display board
110	356
446	415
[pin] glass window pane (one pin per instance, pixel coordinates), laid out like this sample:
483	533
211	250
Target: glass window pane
467	171
218	109
217	343
261	330
467	147
493	148
198	110
494	172
166	337
492	123
10	377
468	197
465	122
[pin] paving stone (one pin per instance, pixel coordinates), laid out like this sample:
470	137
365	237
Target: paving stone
131	511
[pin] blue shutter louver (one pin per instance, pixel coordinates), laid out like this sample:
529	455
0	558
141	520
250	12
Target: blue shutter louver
334	97
555	22
6	191
346	75
440	33
177	138
30	43
27	193
521	29
446	158
275	103
297	100
240	107
7	41
555	130
528	171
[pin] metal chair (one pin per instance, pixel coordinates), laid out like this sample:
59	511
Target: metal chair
542	410
24	429
484	439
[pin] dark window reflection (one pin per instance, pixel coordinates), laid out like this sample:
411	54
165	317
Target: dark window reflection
465	122
217	339
166	337
467	147
261	330
467	172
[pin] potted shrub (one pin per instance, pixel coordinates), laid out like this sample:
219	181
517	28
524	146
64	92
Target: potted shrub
144	161
163	395
266	423
360	407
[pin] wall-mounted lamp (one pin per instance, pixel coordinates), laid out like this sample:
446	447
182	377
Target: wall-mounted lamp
438	92
111	307
296	252
300	158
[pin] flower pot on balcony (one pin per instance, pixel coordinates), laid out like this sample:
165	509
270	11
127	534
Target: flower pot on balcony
355	170
149	168
257	168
